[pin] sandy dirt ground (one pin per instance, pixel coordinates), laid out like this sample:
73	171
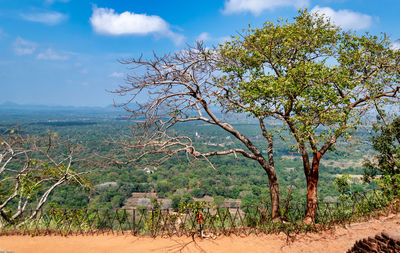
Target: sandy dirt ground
337	240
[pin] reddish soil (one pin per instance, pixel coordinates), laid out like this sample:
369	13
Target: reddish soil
337	240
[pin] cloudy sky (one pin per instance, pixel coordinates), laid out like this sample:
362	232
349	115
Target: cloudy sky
66	52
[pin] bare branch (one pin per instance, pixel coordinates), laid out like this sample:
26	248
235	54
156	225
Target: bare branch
35	167
180	88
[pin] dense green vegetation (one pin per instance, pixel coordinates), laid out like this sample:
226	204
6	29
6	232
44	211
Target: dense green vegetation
386	165
179	179
305	85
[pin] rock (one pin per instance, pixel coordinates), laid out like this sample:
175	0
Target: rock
392	234
387	241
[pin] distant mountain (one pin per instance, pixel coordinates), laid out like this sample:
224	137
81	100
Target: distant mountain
28	107
12	113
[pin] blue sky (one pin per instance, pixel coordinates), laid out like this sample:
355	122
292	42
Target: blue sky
66	52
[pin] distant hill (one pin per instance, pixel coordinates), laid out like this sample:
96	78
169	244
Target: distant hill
16	113
29	107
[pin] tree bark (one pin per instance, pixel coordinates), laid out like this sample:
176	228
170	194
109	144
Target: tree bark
274	194
273	188
312	174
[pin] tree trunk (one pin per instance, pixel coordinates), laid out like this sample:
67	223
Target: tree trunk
273	187
274	194
272	178
312	174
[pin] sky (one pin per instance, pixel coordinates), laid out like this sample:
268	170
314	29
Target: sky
67	52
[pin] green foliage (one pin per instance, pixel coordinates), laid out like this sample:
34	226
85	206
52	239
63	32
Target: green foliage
195	207
176	200
343	184
219	201
186	199
314	77
232	176
250	200
162	187
309	73
197	193
387	164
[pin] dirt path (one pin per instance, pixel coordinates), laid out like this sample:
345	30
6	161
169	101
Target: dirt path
338	240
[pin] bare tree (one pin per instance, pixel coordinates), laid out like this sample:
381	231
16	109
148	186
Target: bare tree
31	168
182	88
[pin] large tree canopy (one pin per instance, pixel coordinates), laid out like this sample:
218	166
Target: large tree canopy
316	78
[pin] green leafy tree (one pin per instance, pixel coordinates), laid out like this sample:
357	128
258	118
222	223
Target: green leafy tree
176	199
387	161
343	184
314	77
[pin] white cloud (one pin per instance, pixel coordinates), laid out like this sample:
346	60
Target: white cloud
116	74
395	45
50	54
24	47
106	21
346	19
206	37
258	6
48	18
